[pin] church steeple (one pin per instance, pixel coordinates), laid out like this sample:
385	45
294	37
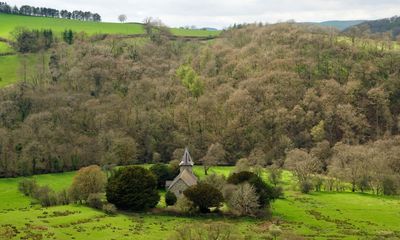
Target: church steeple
187	162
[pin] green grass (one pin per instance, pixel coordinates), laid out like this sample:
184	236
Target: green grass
10	66
5	48
8	69
10	22
321	215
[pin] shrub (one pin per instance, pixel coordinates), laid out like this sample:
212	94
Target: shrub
206	231
244	200
46	196
265	192
133	188
228	190
109	209
162	174
43	194
306	186
27	186
87	181
215	180
242	165
275	175
174	169
170	198
62	197
275	231
94	201
389	186
184	205
204	196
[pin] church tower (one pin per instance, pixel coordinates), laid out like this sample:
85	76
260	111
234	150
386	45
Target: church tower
187	162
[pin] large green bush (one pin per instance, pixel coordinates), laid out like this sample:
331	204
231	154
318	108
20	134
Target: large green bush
133	188
162	172
265	192
204	196
170	198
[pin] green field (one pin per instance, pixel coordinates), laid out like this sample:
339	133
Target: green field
318	216
8	69
11	70
5	48
10	22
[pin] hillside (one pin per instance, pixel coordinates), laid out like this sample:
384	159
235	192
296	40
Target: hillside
10	22
11	64
341	25
281	87
379	26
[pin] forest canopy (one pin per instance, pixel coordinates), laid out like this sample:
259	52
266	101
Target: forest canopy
259	91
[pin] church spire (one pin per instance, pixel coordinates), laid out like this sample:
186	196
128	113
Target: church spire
186	159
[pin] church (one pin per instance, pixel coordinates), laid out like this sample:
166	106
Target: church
186	178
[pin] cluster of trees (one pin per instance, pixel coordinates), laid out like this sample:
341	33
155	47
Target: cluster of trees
373	167
26	40
245	193
136	188
255	93
88	187
33	41
380	26
49	12
43	194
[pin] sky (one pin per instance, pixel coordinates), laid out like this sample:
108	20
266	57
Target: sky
223	13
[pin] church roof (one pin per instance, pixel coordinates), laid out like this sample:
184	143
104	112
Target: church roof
186	159
187	177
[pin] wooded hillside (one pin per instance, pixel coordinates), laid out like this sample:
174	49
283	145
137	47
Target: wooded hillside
258	91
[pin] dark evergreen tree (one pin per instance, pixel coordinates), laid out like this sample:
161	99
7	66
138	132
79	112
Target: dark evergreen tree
133	188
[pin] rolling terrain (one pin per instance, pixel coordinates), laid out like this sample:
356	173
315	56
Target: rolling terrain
341	25
10	22
321	215
9	65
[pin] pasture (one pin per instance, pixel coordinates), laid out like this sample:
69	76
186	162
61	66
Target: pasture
11	69
322	215
58	25
5	48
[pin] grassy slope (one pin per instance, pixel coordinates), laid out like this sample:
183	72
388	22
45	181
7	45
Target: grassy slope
10	65
10	22
5	48
318	215
8	69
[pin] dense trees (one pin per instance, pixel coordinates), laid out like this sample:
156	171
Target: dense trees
49	12
132	188
380	26
265	92
26	40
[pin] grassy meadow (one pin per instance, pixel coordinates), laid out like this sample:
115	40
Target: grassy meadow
11	67
58	25
5	48
321	215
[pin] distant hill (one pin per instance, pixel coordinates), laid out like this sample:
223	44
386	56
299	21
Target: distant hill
9	22
341	25
382	25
